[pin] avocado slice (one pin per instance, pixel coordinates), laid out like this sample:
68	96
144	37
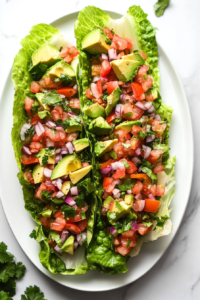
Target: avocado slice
58	69
119	210
101	148
80	144
38	175
94	111
68	164
134	56
51	158
127	125
73	125
125	70
46	54
39	97
68	245
95	42
112	100
75	63
128	199
107	202
99	126
66	187
79	174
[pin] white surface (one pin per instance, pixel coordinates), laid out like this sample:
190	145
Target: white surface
176	275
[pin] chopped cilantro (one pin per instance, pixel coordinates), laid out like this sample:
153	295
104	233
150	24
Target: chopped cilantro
147	224
160	7
128	243
66	79
30	131
45	159
68	211
83	216
129	114
126	164
43	114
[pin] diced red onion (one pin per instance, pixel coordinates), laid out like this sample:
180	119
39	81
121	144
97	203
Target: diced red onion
136	160
104	56
152	115
71	114
62	96
75	87
116	191
134	225
129	192
26	150
23	130
140	105
59	183
74	191
58	150
47	172
59	127
150	138
66	101
39	128
117	181
51	124
95	78
64	235
81	238
64	150
112	54
151	196
70	201
59	194
138	197
118	110
138	151
94	90
75	206
158	117
147	151
139	169
141	205
118	165
148	105
57	249
150	110
105	170
113	231
122	98
58	158
49	143
75	245
117	195
70	147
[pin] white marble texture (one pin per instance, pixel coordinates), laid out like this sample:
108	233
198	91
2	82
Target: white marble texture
177	274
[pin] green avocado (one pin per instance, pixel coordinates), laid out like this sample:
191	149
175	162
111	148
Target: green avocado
51	157
75	63
95	42
58	69
68	164
99	126
107	202
119	209
73	125
80	144
39	97
128	199
112	100
79	174
127	125
68	245
46	54
135	56
38	174
101	148
125	70
94	111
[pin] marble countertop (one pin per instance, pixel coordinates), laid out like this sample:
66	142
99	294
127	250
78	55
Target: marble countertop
177	273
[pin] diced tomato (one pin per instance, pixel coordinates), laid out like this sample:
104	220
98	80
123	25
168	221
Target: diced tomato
28	176
45	186
135	112
105	68
35	120
130	42
75	103
160	190
112	76
60	220
149	189
122	135
29	159
109	188
44	221
151	205
137	89
58	214
120	150
108	32
96	69
28	103
112	85
120	55
106	164
68	53
67	92
142	229
119	174
57	226
56	135
156	126
72	228
158	168
35	147
143	55
52	243
57	113
135	129
128	234
132	167
70	137
73	51
135	143
116	241
89	94
137	188
111	117
122	250
64	52
155	156
107	181
35	87
119	43
82	224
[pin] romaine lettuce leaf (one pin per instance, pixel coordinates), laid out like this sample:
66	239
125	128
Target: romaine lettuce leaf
165	111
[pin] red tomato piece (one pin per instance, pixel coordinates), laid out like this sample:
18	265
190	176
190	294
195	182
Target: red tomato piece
142	229
108	32
35	147
112	85
28	103
143	55
35	120
135	129
53	136
137	188
35	87
82	224
75	103
107	181
120	43
132	167
130	42
29	159
89	94
44	221
137	89
151	205
58	214
158	168
160	190
119	174
72	228
67	92
149	189
122	135
156	126
57	226
28	176
135	143
122	250
155	156
111	117
134	112
105	68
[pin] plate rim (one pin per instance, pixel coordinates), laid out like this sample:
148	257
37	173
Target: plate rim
170	60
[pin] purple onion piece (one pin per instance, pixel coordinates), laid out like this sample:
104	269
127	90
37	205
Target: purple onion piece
150	110
138	151
70	147
140	105
112	54
64	235
95	78
118	110
129	192
150	138
116	191
75	87
58	158
136	160
158	117
113	231
72	115
104	56
58	150
59	183
74	191
26	150
59	194
51	124
39	128
148	105
151	196
47	172
75	245
23	130
138	197
122	98
106	170
147	151
49	143
134	225
70	201
57	249
118	165
62	96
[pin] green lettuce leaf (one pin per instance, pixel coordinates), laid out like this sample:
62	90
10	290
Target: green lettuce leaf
165	111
